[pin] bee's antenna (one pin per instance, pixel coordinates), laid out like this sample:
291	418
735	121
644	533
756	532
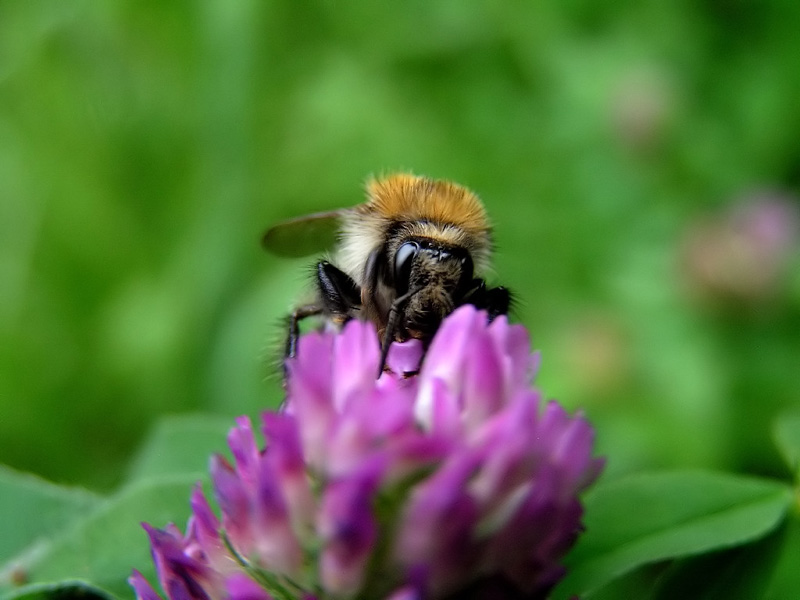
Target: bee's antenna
391	325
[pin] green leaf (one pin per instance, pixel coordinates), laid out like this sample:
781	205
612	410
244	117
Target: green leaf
652	517
33	510
787	437
179	445
106	545
63	589
742	573
786	580
54	534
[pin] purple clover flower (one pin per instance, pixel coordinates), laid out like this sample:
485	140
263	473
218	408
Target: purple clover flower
456	481
742	255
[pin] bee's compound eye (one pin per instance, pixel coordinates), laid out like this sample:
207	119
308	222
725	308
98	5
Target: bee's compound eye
467	270
403	261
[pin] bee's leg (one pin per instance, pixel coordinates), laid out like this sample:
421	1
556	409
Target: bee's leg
495	301
339	293
298	314
391	326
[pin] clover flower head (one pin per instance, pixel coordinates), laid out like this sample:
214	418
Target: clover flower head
458	480
742	254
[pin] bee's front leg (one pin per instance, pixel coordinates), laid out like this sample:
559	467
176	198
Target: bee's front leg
495	301
298	314
339	295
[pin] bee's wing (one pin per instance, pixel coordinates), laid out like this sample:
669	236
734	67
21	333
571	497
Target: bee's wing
306	235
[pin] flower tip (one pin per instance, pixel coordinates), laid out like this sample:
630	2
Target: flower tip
357	347
404	357
466	316
152	532
141	587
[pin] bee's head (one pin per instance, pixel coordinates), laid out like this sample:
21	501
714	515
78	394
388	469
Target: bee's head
435	277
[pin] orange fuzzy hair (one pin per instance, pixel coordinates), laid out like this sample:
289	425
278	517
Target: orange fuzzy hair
439	210
405	197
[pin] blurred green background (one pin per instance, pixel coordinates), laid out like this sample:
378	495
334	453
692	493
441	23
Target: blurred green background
639	160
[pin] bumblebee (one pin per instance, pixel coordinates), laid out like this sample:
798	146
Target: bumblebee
404	259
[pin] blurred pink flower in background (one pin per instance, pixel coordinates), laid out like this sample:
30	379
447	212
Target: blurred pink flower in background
743	254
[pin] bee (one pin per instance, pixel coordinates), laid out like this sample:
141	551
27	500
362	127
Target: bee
404	260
